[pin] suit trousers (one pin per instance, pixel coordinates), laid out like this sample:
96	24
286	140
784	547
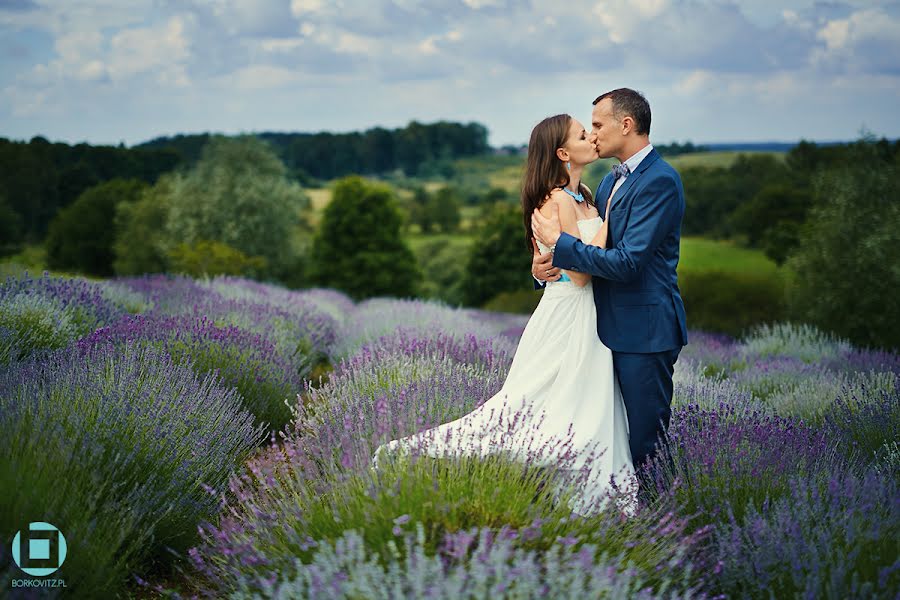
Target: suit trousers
646	384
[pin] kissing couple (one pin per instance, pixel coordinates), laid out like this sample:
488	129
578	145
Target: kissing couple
591	381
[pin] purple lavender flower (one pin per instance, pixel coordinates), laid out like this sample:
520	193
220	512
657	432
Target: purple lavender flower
247	361
831	539
50	312
115	444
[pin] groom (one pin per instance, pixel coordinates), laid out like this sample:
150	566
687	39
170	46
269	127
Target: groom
640	315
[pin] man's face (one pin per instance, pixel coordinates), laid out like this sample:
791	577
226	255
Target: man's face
605	129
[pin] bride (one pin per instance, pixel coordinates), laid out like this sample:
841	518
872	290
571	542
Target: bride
560	405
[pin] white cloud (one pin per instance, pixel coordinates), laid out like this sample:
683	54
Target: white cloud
866	40
301	8
835	33
499	62
479	4
160	50
261	77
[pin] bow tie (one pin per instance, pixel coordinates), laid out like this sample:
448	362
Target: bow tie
621	171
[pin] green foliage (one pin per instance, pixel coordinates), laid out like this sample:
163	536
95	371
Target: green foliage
11	228
139	242
714	194
498	261
731	302
358	248
522	302
239	195
442	496
444	206
205	259
848	262
417	207
81	236
39	178
327	155
29	323
772	218
441	262
116	449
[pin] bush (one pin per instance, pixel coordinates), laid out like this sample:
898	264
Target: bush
498	261
119	448
12	229
139	245
846	265
358	248
49	313
208	258
81	235
772	218
837	540
731	303
245	361
443	269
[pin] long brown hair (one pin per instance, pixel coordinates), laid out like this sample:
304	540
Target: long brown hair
543	169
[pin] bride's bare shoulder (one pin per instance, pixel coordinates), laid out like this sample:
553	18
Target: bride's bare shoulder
558	197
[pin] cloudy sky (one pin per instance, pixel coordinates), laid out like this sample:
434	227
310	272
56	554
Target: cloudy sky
110	71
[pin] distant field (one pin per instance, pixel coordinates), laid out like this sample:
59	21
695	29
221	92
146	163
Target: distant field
505	172
713	159
701	254
697	254
319	198
460	242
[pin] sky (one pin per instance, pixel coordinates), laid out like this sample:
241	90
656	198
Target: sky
126	71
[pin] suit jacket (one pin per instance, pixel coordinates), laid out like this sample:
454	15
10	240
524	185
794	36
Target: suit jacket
639	306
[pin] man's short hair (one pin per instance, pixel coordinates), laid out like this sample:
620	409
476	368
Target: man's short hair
630	103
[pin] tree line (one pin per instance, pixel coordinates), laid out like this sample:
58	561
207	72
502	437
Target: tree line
829	213
764	200
39	178
377	150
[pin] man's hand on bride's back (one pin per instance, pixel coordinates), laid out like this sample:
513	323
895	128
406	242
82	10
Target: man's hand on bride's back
542	267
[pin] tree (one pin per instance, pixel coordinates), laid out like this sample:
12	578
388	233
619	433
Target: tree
358	247
443	207
846	266
442	263
419	212
140	246
11	228
81	235
498	261
772	218
239	195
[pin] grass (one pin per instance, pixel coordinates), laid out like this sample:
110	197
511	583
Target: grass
459	241
701	254
713	159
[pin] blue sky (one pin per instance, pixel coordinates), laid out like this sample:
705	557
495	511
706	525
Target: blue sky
110	71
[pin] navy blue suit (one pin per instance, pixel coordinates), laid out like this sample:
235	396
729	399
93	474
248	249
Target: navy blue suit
640	314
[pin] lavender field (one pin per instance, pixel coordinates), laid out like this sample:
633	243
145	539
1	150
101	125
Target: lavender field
212	438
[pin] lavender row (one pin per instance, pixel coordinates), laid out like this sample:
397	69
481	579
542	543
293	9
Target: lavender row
120	448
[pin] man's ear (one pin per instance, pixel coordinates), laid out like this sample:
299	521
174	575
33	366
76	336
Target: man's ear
627	125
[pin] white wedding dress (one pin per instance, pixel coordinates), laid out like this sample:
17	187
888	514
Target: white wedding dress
560	404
